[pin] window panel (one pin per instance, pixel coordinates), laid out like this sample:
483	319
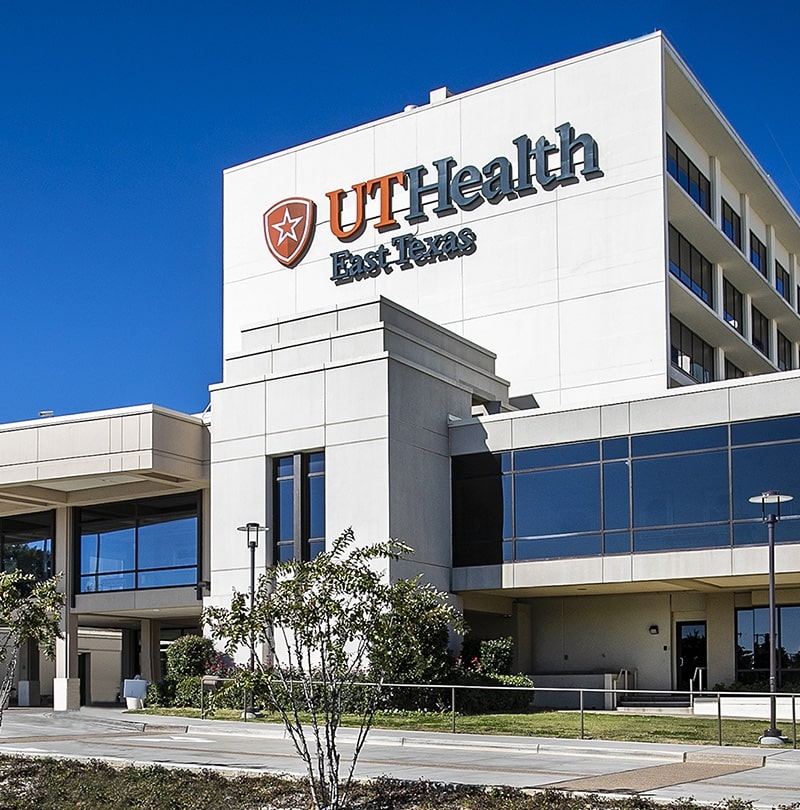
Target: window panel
733	310
690	353
680	489
760	331
684	537
779	429
298	506
172	543
784	352
148	538
26	544
316	507
758	469
758	254
689	177
167	578
557	501
688	265
549	548
678	441
557	456
731	224
782	281
615	448
617	543
616	496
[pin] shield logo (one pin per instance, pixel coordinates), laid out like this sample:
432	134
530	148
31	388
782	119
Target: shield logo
288	226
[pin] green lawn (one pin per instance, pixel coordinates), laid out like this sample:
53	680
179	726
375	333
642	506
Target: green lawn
597	725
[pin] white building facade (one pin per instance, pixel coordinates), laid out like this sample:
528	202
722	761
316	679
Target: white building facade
545	332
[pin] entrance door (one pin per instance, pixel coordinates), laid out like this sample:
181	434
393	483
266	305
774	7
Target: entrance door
691	651
84	674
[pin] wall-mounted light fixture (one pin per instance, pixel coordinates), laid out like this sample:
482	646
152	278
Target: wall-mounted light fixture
653	629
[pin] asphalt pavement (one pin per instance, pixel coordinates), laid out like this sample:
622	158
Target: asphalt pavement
767	777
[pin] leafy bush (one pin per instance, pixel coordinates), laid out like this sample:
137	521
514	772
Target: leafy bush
189	655
496	655
187	691
485	701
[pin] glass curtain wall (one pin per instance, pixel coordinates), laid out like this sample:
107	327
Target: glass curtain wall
150	543
26	543
681	489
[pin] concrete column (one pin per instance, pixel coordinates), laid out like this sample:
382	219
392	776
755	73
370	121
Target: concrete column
744	208
150	653
770	268
523	649
28	686
66	684
716	185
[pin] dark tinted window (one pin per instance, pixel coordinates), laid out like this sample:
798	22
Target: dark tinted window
680	489
677	441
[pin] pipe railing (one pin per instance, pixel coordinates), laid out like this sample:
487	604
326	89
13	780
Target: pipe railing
579	695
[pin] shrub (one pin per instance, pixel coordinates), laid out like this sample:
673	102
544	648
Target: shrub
485	701
187	691
496	655
189	655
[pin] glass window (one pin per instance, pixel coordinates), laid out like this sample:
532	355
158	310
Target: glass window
767	467
557	456
754	532
689	177
732	371
678	441
168	544
758	254
617	543
691	488
298	508
560	501
615	448
690	267
782	282
684	537
690	353
753	644
27	544
760	331
549	548
149	543
733	311
616	495
784	352
731	224
782	428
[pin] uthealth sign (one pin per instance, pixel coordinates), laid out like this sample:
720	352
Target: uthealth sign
288	225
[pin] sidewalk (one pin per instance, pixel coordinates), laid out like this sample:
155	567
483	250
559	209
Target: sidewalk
767	777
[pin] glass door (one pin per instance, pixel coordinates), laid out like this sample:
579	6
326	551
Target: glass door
691	652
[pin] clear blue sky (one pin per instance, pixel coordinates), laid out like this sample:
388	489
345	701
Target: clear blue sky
118	119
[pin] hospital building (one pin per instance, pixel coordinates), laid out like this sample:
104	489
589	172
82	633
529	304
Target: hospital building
545	332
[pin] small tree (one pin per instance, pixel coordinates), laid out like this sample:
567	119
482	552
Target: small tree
323	623
29	611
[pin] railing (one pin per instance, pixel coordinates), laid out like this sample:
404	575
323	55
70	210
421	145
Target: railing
697	678
538	695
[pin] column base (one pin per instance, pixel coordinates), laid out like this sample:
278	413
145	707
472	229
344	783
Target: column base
29	693
66	694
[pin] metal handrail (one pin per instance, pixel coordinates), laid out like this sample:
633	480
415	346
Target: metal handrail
698	677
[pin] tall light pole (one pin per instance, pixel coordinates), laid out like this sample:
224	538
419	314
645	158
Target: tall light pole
772	736
252	530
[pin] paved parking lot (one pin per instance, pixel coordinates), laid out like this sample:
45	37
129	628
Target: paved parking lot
767	777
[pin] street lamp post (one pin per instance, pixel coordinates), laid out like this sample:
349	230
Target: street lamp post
252	529
772	736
